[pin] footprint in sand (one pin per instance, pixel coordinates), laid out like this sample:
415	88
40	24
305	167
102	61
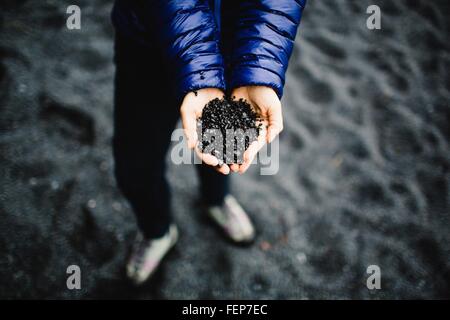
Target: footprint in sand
68	121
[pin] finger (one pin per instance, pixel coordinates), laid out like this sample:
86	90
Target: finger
249	155
211	160
252	151
224	169
207	158
275	118
189	123
234	167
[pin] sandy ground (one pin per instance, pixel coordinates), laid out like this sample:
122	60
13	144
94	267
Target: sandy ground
364	165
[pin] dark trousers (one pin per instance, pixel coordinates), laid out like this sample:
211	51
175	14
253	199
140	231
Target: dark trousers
145	115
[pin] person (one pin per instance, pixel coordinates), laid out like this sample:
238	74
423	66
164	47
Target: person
172	57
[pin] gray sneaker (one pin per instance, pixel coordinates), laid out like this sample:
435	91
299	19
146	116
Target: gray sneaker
147	255
233	220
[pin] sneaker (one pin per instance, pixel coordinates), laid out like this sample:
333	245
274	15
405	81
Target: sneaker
233	220
147	255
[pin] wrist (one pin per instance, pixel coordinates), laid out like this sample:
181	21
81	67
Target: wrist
248	91
205	92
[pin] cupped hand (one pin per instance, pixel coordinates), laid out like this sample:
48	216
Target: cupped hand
266	103
191	109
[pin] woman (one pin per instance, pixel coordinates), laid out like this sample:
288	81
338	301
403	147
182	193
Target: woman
172	57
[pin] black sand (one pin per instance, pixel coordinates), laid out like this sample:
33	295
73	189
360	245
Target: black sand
364	175
226	129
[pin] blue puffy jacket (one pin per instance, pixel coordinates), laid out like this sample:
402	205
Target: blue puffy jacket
221	44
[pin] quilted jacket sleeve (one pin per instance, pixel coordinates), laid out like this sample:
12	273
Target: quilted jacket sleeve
190	40
264	35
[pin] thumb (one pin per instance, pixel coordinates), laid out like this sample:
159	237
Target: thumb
275	119
189	122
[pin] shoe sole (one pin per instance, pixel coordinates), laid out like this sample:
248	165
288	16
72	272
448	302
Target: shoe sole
149	278
206	219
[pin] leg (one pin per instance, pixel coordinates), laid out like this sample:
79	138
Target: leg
223	208
144	117
214	186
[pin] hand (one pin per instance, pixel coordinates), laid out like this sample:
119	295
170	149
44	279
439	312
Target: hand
191	109
268	106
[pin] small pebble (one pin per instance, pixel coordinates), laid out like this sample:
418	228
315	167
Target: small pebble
54	184
92	203
301	257
265	246
104	166
33	181
117	206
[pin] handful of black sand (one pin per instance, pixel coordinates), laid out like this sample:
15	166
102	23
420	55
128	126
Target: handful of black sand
227	128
